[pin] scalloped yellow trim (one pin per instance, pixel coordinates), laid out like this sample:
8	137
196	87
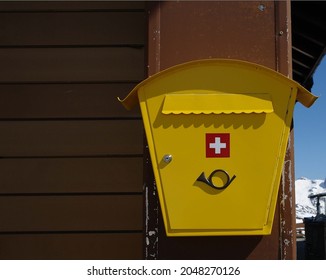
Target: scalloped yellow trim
213	102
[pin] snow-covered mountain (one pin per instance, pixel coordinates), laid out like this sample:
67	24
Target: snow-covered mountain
306	207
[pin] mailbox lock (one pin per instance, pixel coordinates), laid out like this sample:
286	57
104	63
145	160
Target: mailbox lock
167	158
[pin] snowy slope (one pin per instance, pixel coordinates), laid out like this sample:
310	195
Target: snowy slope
306	207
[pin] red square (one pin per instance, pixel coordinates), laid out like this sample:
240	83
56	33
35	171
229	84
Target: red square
217	145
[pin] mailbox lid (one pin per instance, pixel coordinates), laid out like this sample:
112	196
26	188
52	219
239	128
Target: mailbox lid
213	102
206	67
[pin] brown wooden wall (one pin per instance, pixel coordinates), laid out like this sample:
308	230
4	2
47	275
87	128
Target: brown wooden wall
70	155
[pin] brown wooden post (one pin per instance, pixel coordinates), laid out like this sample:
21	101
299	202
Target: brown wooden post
287	191
256	31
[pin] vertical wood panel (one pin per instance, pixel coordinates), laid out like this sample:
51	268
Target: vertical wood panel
241	31
287	186
196	30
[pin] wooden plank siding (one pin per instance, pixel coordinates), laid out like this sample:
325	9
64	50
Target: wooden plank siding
71	175
57	101
70	28
61	246
70	155
49	213
70	138
59	65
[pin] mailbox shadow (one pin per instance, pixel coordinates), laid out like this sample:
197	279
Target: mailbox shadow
244	120
207	189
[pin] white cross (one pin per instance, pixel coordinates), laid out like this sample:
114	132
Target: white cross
217	145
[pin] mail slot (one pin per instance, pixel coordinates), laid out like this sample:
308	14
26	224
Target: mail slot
217	132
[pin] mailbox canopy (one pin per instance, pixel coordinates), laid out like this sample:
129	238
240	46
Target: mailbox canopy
217	131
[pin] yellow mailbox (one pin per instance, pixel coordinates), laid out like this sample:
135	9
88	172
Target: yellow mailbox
217	132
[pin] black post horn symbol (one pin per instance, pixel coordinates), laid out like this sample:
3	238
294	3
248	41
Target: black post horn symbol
208	181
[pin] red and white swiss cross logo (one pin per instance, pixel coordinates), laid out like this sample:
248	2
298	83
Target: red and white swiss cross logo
217	145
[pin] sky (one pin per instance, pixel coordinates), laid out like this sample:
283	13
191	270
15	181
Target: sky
310	131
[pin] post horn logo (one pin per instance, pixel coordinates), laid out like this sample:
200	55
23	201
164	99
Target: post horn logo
209	181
